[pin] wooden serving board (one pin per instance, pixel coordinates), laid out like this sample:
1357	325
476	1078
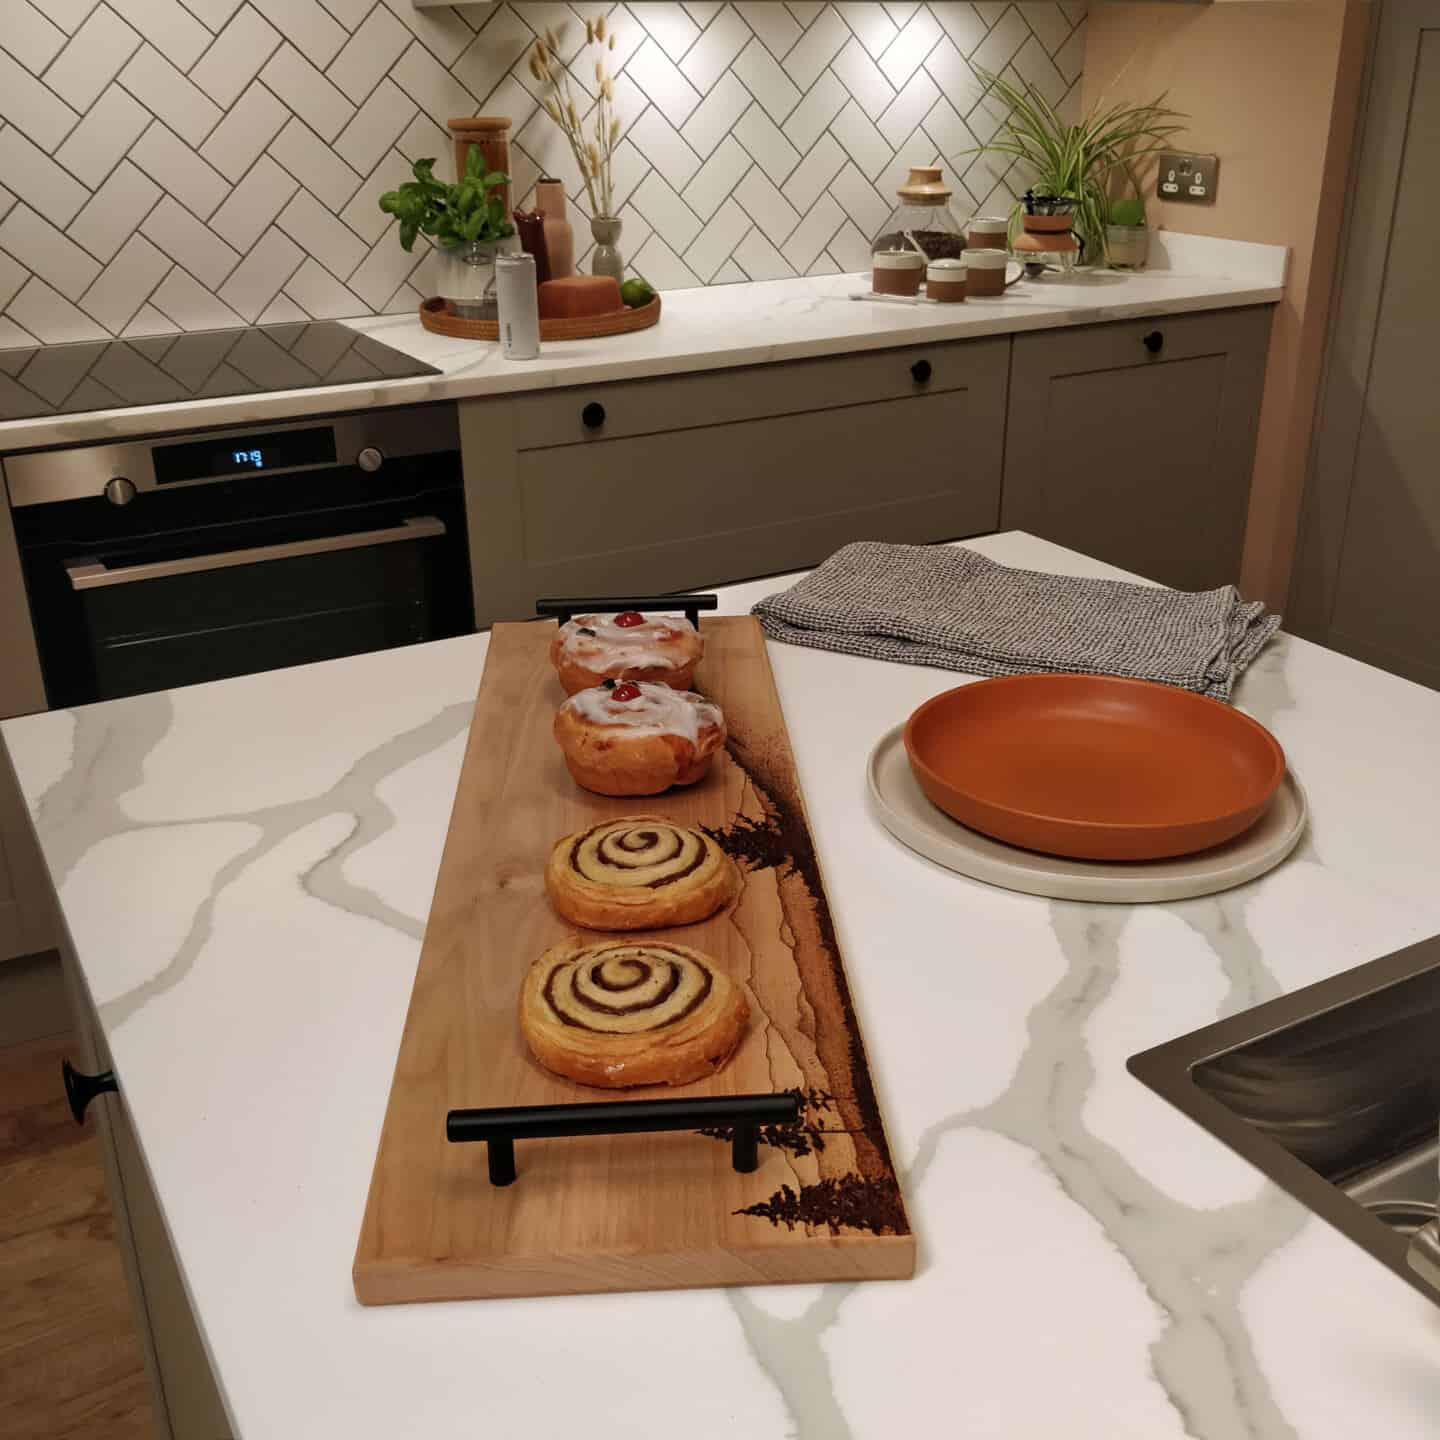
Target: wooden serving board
645	1211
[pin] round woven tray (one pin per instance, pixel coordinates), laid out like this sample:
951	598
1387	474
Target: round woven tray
434	316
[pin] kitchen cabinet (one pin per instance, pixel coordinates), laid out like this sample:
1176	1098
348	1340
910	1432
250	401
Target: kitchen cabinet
694	480
183	1392
1133	441
1367	574
27	923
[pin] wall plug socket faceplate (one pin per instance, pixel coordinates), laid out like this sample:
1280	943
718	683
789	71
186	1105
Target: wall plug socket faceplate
1187	178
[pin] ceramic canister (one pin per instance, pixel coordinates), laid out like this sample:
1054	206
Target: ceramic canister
988	232
985	272
898	272
945	281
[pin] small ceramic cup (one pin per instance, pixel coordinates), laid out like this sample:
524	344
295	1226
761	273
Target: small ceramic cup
898	272
988	232
945	281
985	273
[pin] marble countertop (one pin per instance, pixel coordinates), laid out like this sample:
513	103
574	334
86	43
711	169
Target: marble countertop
724	326
245	869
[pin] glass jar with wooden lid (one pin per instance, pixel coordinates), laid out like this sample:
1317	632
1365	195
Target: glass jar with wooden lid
922	221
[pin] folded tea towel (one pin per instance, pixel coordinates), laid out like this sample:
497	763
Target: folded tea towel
945	605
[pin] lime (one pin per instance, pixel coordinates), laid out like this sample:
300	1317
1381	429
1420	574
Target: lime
636	293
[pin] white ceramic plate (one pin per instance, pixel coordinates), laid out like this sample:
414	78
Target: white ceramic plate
901	807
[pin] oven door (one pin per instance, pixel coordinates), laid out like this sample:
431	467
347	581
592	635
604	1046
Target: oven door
152	625
162	611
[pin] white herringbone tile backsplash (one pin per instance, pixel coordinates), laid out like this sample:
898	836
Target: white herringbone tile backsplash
194	164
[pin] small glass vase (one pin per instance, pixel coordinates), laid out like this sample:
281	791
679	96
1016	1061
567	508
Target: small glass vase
465	277
606	258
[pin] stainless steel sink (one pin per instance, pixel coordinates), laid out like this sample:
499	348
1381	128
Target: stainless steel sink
1334	1092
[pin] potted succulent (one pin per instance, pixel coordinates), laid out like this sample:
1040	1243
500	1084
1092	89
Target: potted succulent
467	222
1127	241
1077	161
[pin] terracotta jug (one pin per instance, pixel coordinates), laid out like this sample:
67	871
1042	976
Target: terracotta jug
559	234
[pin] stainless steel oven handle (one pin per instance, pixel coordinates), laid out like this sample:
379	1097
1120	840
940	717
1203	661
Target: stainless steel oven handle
92	574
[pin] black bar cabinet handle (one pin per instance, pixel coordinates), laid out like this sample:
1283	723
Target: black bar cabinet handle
692	605
1154	342
500	1128
81	1089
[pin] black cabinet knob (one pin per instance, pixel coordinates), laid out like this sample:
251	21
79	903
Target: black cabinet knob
921	371
81	1089
593	416
1154	342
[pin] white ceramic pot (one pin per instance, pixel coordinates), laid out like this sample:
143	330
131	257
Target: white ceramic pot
465	277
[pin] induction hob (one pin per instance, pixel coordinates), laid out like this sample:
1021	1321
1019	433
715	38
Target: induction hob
199	364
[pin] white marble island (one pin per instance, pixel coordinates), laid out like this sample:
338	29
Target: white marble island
245	868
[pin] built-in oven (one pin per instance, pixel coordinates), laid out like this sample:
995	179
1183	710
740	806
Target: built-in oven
161	562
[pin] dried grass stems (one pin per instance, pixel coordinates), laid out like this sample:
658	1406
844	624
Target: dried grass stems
593	150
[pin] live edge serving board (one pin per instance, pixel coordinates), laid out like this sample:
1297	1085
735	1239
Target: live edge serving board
637	1211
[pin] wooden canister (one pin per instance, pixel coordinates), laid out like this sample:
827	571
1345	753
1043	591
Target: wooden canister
492	134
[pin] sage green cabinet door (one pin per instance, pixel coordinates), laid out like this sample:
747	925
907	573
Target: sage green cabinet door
699	480
1139	453
1367	577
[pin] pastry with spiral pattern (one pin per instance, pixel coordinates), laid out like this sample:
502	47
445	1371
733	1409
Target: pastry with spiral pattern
639	873
628	1012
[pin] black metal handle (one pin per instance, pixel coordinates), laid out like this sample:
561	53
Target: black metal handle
593	415
1154	342
564	610
81	1089
921	371
501	1128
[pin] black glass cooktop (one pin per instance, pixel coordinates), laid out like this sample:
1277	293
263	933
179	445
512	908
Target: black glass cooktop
201	364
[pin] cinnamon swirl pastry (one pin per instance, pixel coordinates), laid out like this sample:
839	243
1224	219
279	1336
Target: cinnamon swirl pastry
663	649
630	1013
636	738
639	873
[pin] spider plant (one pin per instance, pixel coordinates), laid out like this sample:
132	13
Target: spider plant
1083	161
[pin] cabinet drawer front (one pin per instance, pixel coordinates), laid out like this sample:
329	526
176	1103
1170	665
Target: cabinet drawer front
1139	456
680	508
1120	344
643	407
689	486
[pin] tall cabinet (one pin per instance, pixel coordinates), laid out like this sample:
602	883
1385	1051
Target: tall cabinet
1367	574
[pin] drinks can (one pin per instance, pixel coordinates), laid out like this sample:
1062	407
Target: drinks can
517	297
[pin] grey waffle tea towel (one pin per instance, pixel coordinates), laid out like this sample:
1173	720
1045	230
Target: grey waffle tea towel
948	606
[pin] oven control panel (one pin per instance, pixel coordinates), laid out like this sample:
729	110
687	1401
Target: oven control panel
119	472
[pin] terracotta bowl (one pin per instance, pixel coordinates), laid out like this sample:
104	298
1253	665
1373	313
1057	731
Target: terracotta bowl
1093	766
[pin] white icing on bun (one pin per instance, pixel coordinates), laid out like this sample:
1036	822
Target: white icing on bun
656	710
661	642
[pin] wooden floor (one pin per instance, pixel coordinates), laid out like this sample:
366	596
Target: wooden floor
70	1361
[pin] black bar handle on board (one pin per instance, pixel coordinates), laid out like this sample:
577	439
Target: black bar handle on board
81	1089
692	605
500	1128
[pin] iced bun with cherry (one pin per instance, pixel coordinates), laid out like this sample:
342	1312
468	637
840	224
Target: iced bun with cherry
656	649
638	738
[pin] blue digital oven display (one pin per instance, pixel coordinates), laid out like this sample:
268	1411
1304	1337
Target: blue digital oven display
243	455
